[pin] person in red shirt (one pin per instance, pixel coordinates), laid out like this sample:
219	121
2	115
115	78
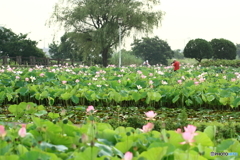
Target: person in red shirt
176	65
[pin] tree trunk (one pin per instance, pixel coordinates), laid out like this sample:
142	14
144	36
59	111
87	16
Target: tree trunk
105	57
199	60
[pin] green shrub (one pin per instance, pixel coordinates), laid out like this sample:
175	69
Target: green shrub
126	59
220	62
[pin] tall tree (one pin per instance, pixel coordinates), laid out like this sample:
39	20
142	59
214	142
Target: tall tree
13	45
154	50
54	50
95	22
198	49
223	49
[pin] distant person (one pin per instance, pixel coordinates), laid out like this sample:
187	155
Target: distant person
145	63
176	65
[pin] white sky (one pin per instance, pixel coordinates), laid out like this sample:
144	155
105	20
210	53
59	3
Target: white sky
184	20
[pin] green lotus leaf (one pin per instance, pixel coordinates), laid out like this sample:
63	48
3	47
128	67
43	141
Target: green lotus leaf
210	131
175	138
9	157
34	155
124	146
23	91
203	139
5	147
183	155
225	145
60	148
107	134
21	149
53	115
75	99
90	153
155	153
66	96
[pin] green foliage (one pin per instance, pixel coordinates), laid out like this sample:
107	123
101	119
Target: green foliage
25	109
223	49
155	50
232	131
94	23
182	118
178	54
198	49
66	49
54	50
99	141
219	129
127	58
156	86
221	62
13	45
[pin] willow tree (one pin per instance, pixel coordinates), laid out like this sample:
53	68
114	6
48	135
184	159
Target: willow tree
95	22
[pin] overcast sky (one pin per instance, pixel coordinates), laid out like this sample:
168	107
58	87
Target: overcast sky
184	20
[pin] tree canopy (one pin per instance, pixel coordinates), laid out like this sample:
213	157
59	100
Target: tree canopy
198	49
95	22
66	49
223	49
155	50
13	45
178	54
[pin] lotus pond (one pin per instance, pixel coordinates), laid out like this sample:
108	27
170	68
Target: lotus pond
53	102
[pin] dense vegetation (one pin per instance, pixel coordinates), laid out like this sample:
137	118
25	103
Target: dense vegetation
157	86
139	111
12	45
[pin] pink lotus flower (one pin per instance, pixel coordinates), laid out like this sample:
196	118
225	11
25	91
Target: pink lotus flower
150	82
22	131
143	76
196	83
2	131
150	115
191	129
202	79
64	82
26	79
147	128
9	69
41	74
128	156
179	81
188	135
91	109
139	72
